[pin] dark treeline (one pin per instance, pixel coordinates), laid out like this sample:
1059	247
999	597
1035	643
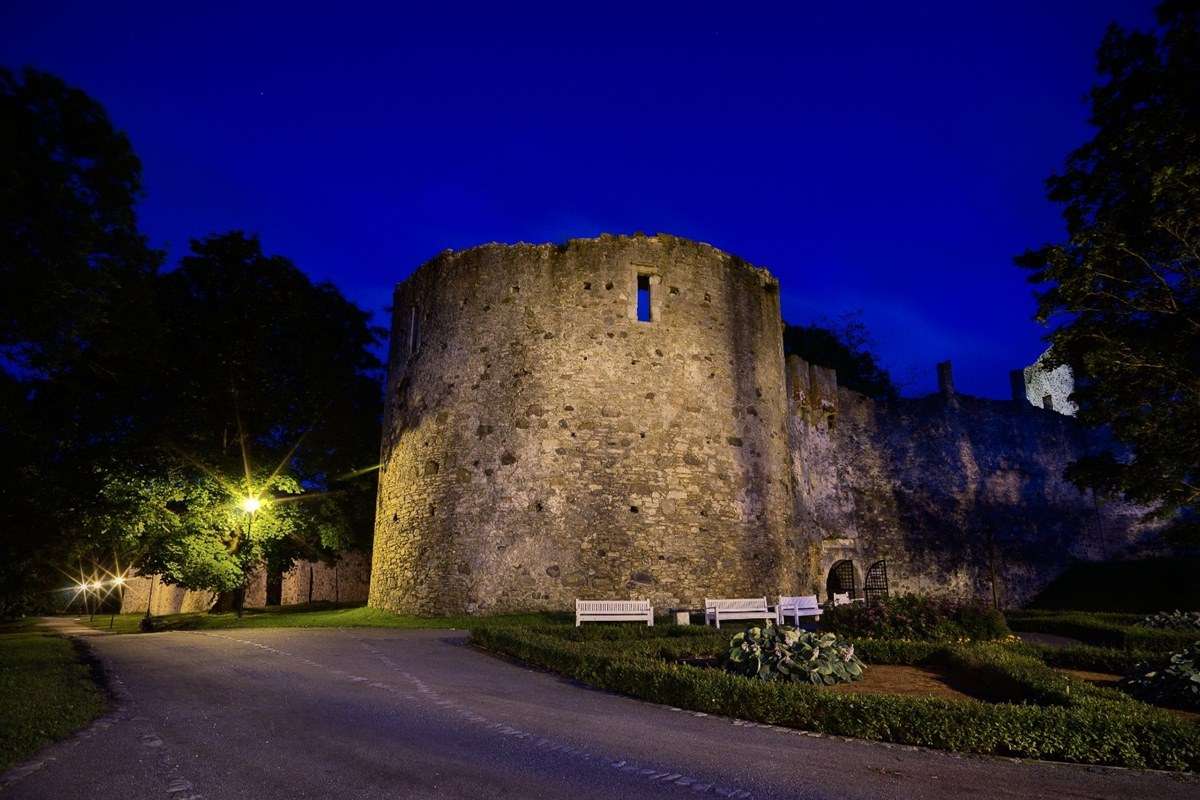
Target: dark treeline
139	404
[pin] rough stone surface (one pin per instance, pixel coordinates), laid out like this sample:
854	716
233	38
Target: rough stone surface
345	582
1050	388
955	493
543	444
165	599
579	451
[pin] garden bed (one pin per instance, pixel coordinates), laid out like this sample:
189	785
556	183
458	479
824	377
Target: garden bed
1049	715
906	681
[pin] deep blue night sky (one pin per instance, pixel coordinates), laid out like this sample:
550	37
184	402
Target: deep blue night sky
885	158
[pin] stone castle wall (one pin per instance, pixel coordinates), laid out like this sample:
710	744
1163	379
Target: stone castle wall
344	582
954	493
163	598
542	444
1050	388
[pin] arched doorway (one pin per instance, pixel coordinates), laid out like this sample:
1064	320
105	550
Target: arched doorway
875	584
841	580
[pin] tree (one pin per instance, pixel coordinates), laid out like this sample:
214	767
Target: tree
76	318
271	391
138	408
846	347
1124	287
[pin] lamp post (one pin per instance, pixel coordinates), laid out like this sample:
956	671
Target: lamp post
150	599
119	584
250	506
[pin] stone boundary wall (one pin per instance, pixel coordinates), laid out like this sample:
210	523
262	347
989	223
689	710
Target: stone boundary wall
166	599
346	581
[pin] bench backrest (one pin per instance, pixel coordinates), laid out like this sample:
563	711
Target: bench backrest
804	601
841	598
612	606
736	604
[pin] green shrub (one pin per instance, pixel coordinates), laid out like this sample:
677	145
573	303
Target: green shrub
1177	620
1080	724
782	653
1102	630
1175	684
1097	659
912	616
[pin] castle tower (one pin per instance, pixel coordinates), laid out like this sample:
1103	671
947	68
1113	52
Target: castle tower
601	419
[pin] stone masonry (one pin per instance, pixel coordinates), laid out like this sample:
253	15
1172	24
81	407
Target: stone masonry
544	441
541	443
345	581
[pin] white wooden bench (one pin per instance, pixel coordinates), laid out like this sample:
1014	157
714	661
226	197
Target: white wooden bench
719	609
796	607
613	611
844	599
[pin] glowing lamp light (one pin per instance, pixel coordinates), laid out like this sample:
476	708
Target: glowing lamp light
251	504
119	580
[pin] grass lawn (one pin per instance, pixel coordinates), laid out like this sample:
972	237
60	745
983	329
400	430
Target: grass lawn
46	691
316	615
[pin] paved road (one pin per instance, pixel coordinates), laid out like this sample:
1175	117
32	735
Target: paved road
413	714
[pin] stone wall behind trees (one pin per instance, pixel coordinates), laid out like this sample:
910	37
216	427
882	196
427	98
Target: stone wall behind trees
165	599
346	581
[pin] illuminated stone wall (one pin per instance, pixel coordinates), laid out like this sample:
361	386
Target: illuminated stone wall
345	582
955	493
165	599
1050	388
542	444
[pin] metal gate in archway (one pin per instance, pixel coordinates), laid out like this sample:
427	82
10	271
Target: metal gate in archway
841	580
875	582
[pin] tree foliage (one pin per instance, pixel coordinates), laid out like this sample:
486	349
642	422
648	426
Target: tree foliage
846	347
138	406
77	325
271	377
1124	287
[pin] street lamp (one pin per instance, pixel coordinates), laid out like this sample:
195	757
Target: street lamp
94	587
118	583
250	505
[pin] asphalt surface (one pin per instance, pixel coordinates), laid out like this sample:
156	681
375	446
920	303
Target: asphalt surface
347	714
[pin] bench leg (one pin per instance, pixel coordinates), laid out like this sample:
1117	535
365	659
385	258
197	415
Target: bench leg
717	619
650	620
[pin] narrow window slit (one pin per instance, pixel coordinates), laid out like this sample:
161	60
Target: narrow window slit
643	298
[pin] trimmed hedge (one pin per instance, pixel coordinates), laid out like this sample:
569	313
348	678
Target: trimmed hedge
1102	630
912	616
1075	722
